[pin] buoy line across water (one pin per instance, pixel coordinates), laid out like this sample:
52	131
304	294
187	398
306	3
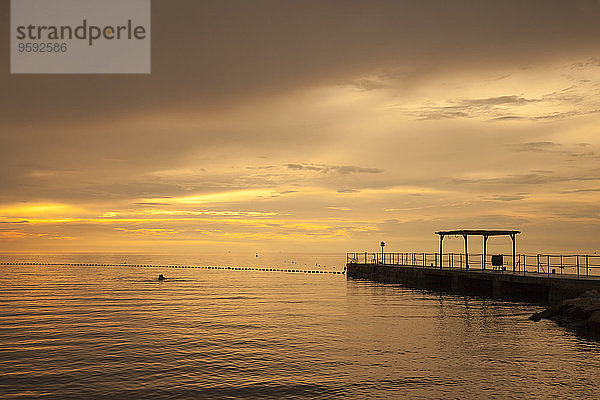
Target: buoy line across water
177	266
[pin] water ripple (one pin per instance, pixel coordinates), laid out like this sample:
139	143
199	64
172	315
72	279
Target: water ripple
87	332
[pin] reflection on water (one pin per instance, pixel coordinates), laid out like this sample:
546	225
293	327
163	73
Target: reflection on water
117	332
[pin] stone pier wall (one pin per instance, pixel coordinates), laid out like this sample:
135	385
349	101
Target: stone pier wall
498	284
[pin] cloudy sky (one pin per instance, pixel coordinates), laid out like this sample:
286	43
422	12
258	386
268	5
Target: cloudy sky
314	126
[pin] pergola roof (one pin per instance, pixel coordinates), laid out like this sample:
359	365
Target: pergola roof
486	233
481	232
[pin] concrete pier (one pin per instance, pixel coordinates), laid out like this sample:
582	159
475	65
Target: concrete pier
530	286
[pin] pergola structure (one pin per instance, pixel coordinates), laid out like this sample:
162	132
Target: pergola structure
465	233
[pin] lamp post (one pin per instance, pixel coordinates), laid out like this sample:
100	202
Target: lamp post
382	256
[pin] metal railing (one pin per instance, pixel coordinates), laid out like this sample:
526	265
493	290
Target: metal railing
569	265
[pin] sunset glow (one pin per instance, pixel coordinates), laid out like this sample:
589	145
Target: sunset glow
337	154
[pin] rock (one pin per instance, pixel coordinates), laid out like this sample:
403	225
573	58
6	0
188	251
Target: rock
579	312
591	293
593	323
546	314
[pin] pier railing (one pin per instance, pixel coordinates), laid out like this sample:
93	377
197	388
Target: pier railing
574	265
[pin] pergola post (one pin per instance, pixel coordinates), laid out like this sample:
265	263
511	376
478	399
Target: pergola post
514	243
465	236
441	249
486	235
485	238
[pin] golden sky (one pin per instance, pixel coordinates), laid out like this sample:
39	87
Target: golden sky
314	126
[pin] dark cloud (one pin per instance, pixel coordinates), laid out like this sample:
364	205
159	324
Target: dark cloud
569	94
209	54
503	197
592	62
443	113
531	179
563	115
497	101
592	190
260	167
210	57
572	101
516	179
350	169
498	220
341	169
537	146
508	118
571	151
471	108
566	210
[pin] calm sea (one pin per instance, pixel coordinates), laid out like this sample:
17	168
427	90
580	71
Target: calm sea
116	332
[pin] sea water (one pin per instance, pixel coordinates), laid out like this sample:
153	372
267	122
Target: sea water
117	332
